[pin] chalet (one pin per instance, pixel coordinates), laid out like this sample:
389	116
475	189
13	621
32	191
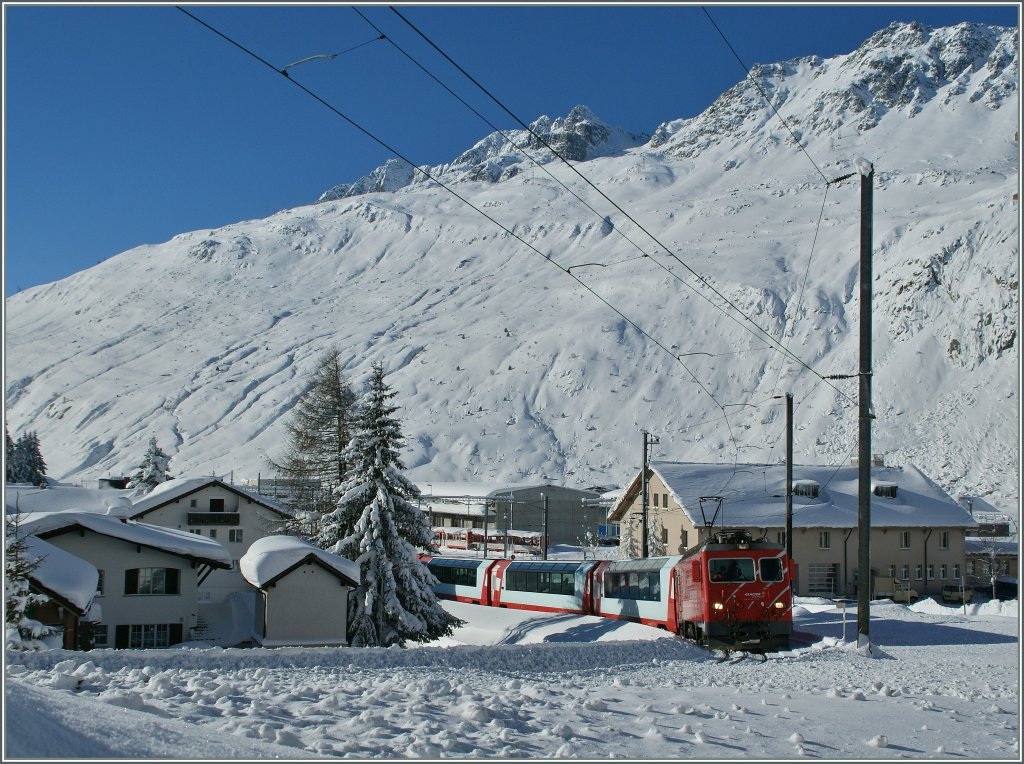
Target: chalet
917	530
148	577
211	508
302	592
562	513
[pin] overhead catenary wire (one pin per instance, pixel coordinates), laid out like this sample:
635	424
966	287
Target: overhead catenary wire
586	180
328	56
461	198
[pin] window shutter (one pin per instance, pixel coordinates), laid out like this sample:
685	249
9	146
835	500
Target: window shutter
173	581
175	633
131	583
121	637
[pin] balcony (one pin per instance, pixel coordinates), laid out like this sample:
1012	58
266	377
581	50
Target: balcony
213	518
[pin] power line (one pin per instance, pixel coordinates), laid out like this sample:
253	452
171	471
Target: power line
465	201
284	70
586	180
763	94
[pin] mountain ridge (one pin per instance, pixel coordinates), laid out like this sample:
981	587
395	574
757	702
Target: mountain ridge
506	369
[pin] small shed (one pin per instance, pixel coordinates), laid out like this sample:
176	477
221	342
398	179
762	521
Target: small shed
71	585
302	592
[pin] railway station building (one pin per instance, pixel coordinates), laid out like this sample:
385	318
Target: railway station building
917	530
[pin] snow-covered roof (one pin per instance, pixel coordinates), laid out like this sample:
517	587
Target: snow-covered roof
165	539
754	496
28	499
474	490
271	556
171	490
62	573
999	546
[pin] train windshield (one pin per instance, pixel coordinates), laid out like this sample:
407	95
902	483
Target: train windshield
724	569
771	569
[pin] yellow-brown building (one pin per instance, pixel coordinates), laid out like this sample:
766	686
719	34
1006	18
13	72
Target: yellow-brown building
917	531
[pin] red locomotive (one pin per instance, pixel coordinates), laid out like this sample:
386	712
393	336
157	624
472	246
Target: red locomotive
731	591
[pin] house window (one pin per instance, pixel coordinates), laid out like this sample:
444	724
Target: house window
152	581
956	571
905	574
685	535
781	537
886	490
918	572
824	540
216	505
664	535
664	500
192	503
943	570
197	531
99	584
892	571
931	572
904	539
213	533
99	635
235	535
149	635
944	540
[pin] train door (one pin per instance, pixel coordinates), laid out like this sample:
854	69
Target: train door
497	575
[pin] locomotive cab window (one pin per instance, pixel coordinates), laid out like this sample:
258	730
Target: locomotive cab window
771	569
731	570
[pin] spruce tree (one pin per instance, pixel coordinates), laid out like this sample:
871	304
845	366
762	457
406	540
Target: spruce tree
21	631
29	466
376	525
8	455
318	432
153	470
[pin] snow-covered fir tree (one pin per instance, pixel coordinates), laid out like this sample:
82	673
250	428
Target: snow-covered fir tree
153	470
376	525
655	544
626	539
8	455
21	631
27	464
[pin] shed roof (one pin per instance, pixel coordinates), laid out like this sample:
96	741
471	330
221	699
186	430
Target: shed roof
271	557
62	573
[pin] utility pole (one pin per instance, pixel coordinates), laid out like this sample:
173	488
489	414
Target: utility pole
867	175
544	496
649	440
789	477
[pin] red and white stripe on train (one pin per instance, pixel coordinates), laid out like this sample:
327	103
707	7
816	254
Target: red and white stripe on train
730	591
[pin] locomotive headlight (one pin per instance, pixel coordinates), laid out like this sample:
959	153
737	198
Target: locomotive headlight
718	606
780	605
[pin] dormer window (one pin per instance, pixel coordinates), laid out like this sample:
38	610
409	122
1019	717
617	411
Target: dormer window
884	490
807	488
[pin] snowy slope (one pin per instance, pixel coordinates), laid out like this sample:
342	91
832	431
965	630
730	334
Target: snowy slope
509	369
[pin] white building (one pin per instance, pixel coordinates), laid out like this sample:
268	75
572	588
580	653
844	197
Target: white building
148	576
302	592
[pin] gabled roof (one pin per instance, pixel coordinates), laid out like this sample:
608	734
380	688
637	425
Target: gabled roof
273	557
174	490
188	545
753	495
67	578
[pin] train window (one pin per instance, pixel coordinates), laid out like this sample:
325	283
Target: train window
771	569
732	570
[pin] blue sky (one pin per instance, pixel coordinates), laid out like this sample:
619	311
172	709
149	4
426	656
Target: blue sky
128	125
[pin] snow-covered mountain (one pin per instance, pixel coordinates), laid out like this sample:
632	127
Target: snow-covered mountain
507	368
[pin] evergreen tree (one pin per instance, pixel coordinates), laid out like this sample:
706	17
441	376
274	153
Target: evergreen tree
22	632
8	455
153	470
376	525
28	464
318	432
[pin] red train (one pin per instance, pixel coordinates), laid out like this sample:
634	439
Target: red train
731	591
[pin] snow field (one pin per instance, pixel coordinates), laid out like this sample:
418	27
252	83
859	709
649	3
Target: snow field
950	688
